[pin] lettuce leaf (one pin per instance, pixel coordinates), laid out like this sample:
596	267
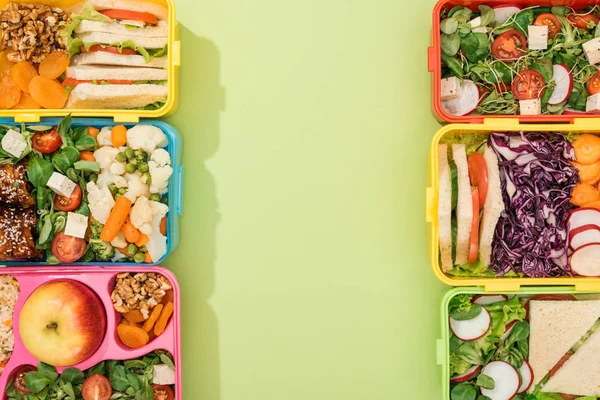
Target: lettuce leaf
88	12
151	107
74	47
504	312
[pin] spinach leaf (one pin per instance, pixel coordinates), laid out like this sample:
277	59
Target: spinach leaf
39	171
488	15
36	381
63	130
565	58
578	98
83	209
544	66
519	332
522	20
453	64
73	376
65	159
486	382
469	44
482	397
99	368
118	378
463	391
464	315
459	12
449	25
88	256
483	49
500	73
450	44
87	166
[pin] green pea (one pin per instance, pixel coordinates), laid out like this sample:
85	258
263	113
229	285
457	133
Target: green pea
122	191
165	200
118	195
155	197
139	258
129	153
93	178
113	188
132	249
143	249
143	167
121	157
130	168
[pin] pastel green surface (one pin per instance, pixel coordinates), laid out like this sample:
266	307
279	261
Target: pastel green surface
303	262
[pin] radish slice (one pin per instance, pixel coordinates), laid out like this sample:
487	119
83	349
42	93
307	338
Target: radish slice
506	379
486	299
465	103
585	261
570	111
471	372
503	13
583	216
584	235
564	84
526	373
508	329
471	329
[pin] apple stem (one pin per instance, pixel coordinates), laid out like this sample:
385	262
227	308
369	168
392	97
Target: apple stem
53	325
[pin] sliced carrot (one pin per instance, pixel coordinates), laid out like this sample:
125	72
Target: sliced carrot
55	64
147	258
584	193
116	219
149	324
587	148
132	336
27	103
163	226
142	241
161	323
134	316
132	234
10	94
592	204
87	155
47	92
167	297
118	135
22	73
93	132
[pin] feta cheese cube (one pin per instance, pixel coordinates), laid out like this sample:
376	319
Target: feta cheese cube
450	88
163	375
530	107
61	185
538	37
593	104
592	50
14	143
76	225
475	22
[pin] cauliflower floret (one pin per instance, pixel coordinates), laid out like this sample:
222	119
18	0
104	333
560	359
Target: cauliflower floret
119	181
117	168
141	215
105	178
147	137
161	157
119	241
101	202
157	243
135	187
105	156
160	177
105	136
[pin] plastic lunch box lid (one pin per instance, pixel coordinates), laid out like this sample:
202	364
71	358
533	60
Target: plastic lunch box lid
435	67
122	115
431	195
175	193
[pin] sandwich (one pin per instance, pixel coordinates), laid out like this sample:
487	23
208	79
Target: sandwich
464	207
492	207
445	209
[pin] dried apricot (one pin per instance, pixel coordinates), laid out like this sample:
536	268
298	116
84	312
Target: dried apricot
5	64
10	94
27	103
132	336
149	324
168	297
22	73
163	319
47	92
134	316
55	64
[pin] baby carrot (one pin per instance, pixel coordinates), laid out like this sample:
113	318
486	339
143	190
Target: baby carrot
87	155
116	219
142	241
132	234
147	258
93	132
119	135
163	226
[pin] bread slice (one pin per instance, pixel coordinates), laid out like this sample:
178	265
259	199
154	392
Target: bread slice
464	207
580	374
104	58
159	31
91	96
556	326
160	11
90	73
493	207
445	208
112	38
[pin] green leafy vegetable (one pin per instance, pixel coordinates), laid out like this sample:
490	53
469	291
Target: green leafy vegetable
463	391
39	171
449	25
485	382
87	166
450	44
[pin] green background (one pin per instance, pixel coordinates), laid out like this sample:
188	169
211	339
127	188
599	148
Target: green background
303	262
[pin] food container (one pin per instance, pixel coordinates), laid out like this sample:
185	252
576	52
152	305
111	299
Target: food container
435	66
101	281
175	187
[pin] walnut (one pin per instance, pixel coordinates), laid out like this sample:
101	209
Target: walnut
139	291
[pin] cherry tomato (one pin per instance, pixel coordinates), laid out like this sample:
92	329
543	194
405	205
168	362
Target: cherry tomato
474	245
96	387
75	82
71	203
163	392
568	396
131	15
110	49
582	21
46	142
559	364
551	22
478	174
509	46
593	85
67	248
19	377
528	84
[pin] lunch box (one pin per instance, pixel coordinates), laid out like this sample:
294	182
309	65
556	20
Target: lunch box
101	281
120	115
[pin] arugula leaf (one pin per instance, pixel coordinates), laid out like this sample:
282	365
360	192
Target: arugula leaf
522	20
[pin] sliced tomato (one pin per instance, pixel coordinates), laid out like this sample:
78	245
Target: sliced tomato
67	248
528	84
46	142
559	364
131	15
96	387
19	377
551	22
593	85
568	396
509	46
74	82
163	392
110	49
71	203
478	174
474	246
582	21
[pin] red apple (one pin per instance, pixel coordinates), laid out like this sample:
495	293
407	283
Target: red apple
62	323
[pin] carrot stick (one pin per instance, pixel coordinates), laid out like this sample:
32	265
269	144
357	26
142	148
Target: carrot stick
132	234
584	193
142	241
116	219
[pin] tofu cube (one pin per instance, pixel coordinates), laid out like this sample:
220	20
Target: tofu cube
530	107
538	37
76	225
480	29
450	88
592	50
14	143
61	185
163	375
593	104
475	22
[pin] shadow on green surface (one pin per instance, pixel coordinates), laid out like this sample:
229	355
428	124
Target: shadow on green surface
202	96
